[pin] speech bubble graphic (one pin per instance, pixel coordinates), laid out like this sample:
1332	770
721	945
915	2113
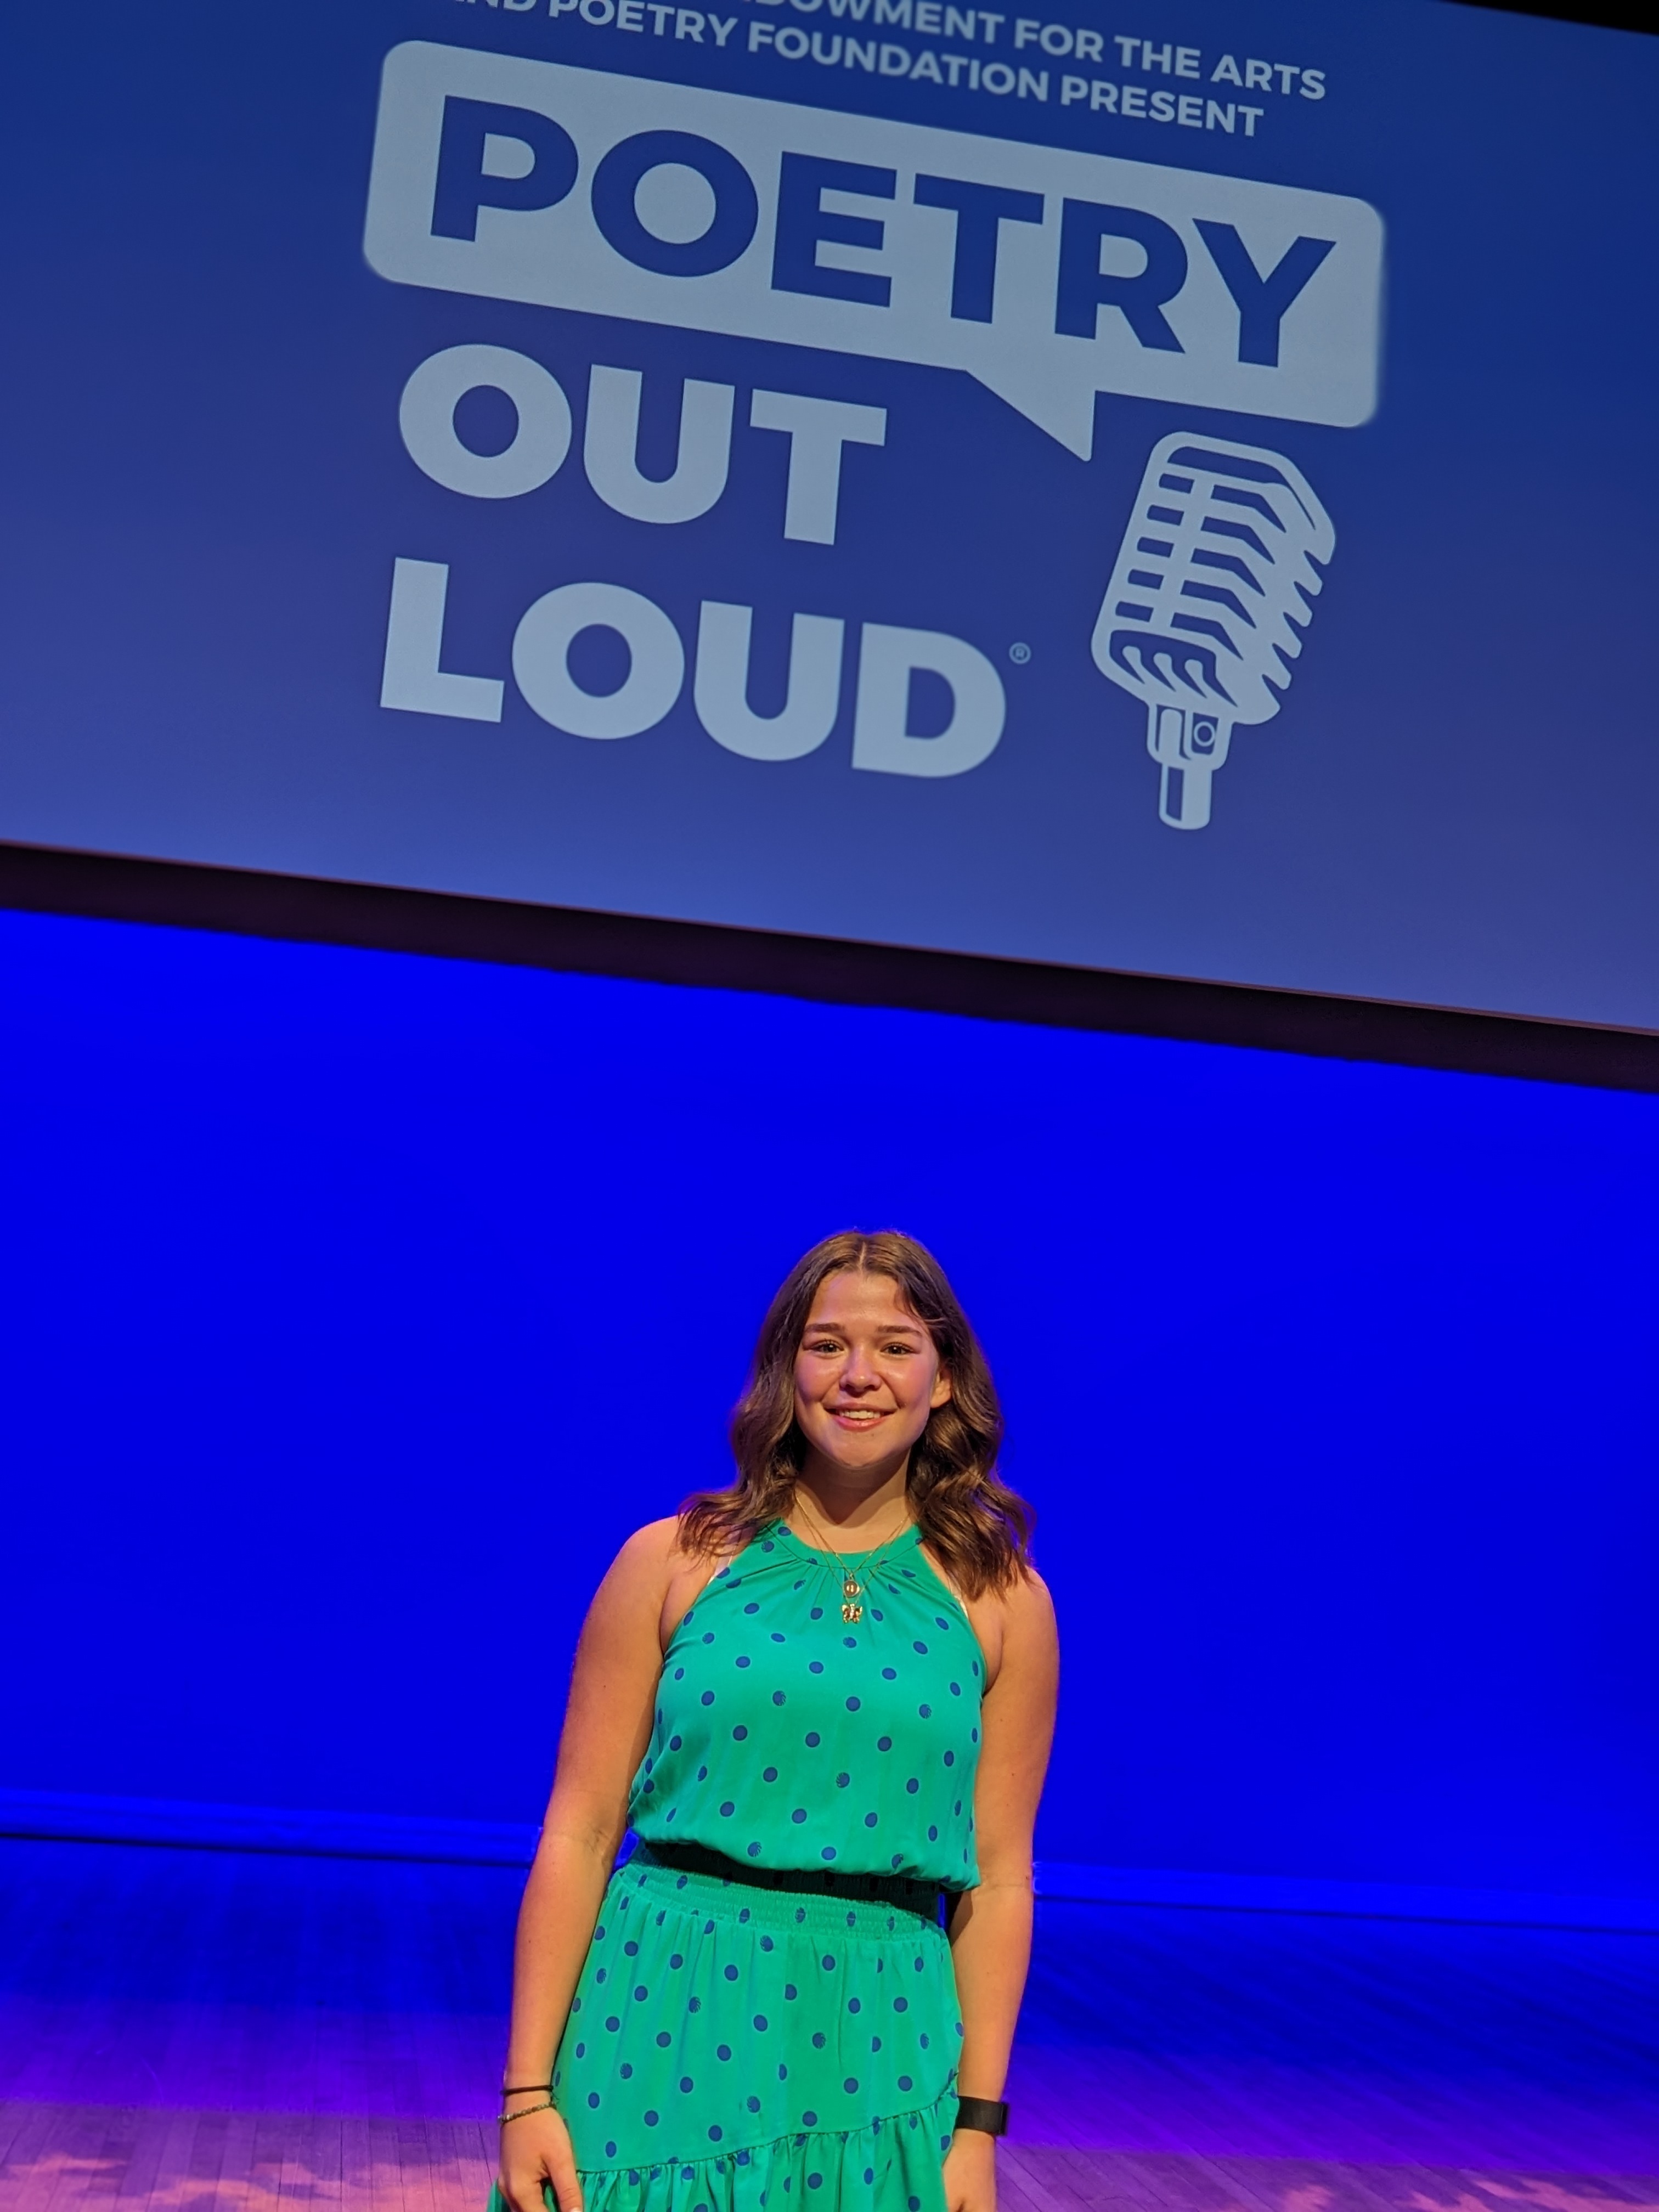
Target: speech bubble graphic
1048	274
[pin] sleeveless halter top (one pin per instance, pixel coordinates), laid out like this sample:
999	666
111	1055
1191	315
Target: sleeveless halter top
790	1736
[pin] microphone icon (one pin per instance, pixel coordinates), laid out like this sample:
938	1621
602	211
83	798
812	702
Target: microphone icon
1204	615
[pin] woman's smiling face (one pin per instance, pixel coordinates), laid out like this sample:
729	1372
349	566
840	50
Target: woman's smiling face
867	1375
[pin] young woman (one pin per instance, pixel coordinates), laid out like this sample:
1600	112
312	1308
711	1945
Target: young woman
819	1700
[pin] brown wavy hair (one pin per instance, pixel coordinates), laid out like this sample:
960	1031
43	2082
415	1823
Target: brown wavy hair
976	1527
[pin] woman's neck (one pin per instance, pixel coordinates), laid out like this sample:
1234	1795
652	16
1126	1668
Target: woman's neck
851	1512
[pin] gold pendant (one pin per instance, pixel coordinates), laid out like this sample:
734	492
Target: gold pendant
851	1612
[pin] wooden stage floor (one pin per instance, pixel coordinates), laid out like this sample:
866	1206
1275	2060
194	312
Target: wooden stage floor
192	2030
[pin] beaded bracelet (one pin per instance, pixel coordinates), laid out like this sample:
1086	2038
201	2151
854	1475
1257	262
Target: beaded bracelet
523	2112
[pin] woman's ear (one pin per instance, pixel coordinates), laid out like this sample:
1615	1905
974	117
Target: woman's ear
942	1393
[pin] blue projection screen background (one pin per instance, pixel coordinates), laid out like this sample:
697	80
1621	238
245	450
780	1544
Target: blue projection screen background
355	1305
1170	492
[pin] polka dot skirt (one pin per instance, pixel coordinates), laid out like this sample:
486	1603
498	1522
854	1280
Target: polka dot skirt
730	2047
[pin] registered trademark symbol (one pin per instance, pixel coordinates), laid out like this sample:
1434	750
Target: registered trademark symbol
1019	652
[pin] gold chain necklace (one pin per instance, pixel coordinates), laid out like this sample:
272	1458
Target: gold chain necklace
852	1588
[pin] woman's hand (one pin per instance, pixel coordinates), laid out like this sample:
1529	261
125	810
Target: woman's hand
535	2155
970	2172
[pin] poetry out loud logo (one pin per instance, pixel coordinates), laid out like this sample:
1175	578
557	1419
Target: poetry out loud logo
1050	276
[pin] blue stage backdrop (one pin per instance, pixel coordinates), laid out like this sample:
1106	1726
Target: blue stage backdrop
356	1305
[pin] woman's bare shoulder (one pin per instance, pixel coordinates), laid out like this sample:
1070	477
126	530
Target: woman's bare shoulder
1030	1637
657	1543
1012	1622
1027	1599
1025	1615
645	1566
653	1571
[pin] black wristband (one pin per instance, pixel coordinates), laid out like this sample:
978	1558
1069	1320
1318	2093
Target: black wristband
524	2089
983	2113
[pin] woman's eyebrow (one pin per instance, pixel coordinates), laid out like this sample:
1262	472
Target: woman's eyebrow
835	1328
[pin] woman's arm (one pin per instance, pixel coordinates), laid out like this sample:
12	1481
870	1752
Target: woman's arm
607	1726
991	1927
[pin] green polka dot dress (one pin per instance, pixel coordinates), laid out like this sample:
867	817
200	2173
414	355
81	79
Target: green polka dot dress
731	2048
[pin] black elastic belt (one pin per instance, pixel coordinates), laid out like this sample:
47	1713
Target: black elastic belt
910	1896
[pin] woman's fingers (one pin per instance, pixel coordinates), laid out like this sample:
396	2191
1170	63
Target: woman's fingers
508	2190
538	2166
970	2174
520	2184
562	2172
